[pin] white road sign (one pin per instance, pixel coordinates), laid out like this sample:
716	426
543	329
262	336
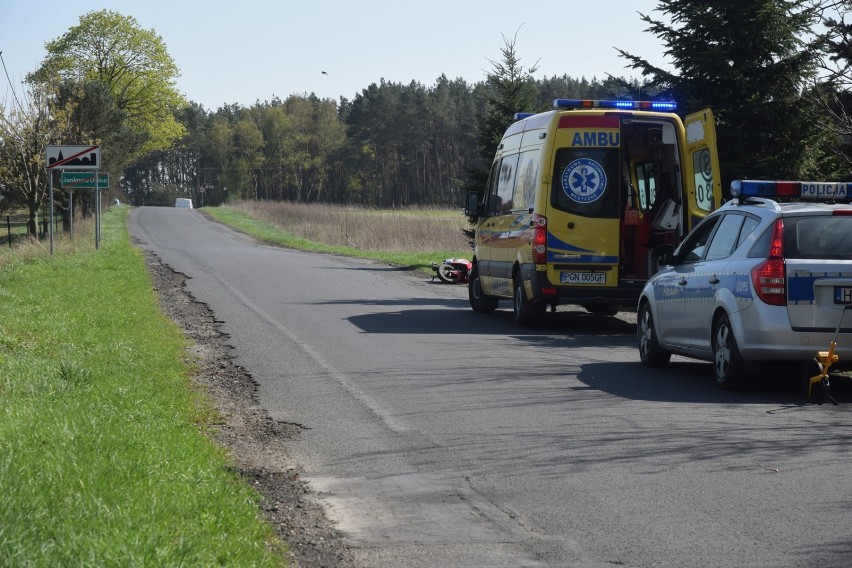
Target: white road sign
72	157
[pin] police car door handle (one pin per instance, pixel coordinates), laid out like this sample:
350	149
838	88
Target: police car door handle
714	280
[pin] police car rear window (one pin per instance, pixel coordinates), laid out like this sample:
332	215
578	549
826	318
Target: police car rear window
818	237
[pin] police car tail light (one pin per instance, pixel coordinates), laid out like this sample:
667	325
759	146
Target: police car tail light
770	276
539	241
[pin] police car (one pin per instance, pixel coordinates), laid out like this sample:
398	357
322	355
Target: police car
762	279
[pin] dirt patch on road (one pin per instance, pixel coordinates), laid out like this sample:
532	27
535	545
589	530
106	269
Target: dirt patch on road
256	443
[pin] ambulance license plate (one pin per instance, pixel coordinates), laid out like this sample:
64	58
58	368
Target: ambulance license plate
583	278
843	294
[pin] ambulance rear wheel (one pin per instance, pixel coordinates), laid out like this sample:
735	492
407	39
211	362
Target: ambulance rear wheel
480	303
525	312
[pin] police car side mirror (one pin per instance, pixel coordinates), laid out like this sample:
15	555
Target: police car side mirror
663	254
471	204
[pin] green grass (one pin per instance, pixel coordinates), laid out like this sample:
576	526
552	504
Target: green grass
272	234
102	462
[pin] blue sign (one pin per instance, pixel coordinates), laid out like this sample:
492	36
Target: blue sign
584	180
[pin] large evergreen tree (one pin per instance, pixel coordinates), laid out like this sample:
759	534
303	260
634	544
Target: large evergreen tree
750	63
510	88
832	92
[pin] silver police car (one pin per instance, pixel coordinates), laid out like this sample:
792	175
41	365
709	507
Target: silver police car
762	279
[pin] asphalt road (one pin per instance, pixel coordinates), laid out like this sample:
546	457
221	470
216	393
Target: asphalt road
440	437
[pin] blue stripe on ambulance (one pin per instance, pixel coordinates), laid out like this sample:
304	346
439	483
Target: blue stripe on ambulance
560	251
568	258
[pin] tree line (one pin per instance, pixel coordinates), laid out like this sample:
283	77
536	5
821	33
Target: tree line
393	145
775	73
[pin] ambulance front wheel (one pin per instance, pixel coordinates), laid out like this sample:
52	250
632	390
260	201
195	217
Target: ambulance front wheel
480	303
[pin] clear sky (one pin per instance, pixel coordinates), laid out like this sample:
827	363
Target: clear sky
245	51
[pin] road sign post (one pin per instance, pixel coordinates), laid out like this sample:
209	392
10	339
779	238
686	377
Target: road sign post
86	180
85	158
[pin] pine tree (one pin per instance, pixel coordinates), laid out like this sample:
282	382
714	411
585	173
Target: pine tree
510	88
833	93
749	62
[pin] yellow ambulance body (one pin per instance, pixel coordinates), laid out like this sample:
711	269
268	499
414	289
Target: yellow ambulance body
578	196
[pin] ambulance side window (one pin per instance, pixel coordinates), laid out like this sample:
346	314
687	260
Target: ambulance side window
491	201
506	184
526	180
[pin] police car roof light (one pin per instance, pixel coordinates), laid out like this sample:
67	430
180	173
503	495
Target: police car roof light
616	104
828	191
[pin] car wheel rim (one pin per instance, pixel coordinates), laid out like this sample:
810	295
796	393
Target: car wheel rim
723	351
645	330
518	303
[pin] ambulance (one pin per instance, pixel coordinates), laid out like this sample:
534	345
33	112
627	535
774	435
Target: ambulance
577	197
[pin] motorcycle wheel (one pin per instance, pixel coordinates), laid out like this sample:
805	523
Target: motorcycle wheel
445	273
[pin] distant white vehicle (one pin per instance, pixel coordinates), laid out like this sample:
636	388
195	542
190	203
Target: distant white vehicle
183	203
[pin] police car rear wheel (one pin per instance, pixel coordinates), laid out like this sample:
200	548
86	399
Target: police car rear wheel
727	367
480	303
650	352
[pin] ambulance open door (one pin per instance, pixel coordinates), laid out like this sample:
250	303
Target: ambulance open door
702	175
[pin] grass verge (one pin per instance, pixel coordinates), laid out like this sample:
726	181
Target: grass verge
101	458
420	259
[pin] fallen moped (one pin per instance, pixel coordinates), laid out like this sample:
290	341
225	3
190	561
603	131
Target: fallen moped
452	270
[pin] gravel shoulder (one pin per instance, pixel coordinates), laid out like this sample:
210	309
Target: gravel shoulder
256	443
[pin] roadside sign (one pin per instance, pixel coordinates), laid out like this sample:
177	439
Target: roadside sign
72	157
83	180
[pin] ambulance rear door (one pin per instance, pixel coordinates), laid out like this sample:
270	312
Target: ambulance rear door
702	178
583	212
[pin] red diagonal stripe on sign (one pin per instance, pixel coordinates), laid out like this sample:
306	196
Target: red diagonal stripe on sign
74	157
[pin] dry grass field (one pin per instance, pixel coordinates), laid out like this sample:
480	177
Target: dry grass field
365	229
24	247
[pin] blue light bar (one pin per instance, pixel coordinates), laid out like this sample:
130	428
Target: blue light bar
818	190
661	106
523	115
